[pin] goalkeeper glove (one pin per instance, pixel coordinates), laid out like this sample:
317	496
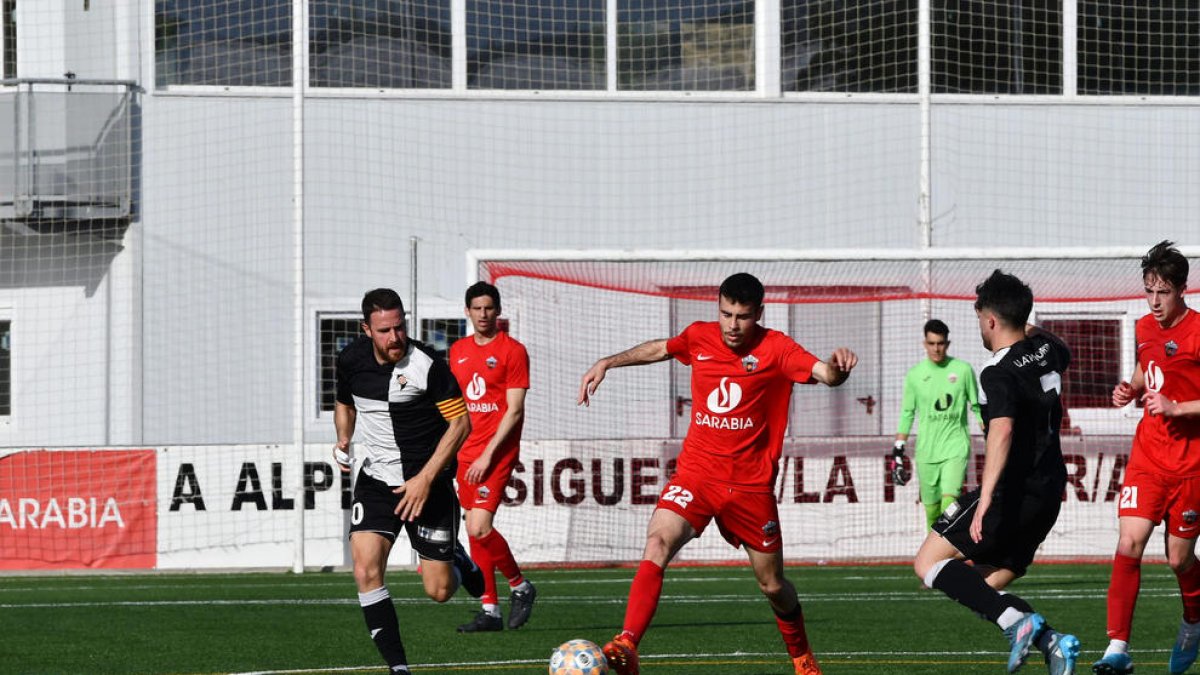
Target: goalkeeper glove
900	475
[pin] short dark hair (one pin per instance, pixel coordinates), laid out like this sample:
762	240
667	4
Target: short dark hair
743	289
480	289
1007	296
937	327
380	299
1167	263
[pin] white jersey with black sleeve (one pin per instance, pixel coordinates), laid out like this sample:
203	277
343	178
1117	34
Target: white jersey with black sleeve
402	408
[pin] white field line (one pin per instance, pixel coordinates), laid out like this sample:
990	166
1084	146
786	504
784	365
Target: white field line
664	657
404	580
749	597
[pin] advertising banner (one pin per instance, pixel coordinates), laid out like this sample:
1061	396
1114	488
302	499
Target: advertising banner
62	509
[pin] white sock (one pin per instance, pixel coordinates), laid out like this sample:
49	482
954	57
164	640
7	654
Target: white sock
492	609
1009	618
1116	647
522	587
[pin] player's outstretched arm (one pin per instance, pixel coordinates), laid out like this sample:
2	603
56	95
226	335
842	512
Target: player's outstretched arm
344	419
647	352
834	371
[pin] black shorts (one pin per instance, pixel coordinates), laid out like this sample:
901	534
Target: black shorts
432	535
1013	528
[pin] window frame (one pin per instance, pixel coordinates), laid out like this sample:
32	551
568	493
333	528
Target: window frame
1106	419
321	420
7	316
768	68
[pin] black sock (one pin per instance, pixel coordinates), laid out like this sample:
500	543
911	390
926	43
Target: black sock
380	614
790	616
1016	603
964	585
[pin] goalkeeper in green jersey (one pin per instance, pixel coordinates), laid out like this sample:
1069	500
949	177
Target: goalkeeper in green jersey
939	390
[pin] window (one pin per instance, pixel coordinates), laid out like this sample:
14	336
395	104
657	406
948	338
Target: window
998	47
8	24
535	44
338	329
1095	345
845	46
1148	48
379	43
685	46
334	333
5	368
223	42
441	333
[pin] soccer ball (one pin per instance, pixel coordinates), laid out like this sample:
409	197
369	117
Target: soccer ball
578	657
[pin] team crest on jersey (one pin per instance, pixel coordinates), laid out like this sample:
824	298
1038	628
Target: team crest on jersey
401	380
491	362
750	363
1190	517
952	378
1171	348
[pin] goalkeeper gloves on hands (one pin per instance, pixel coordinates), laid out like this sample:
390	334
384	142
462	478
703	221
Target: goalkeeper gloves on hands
900	475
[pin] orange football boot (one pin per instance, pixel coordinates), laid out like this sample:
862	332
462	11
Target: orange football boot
806	664
622	656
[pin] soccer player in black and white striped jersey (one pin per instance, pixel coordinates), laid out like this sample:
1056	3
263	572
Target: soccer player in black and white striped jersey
411	420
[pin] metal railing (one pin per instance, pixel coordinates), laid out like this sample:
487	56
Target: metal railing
66	149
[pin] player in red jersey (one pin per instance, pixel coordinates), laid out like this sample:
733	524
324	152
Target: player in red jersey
493	371
1162	480
742	376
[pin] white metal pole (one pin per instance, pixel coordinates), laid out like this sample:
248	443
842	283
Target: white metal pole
819	254
610	45
300	328
925	196
458	45
767	41
1070	49
415	327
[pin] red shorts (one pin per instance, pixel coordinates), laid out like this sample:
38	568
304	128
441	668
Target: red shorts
749	519
485	495
1156	496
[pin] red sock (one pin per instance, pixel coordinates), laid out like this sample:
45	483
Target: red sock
1189	590
1122	595
791	627
479	554
644	593
501	556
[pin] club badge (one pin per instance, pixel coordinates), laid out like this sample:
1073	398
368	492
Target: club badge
771	528
1171	348
1190	517
750	363
401	380
491	362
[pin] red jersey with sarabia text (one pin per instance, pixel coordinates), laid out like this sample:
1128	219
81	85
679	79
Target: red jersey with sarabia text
739	403
486	373
1170	363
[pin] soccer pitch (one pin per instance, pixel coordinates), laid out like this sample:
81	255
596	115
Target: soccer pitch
711	620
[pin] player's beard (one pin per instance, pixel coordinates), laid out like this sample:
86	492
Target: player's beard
394	352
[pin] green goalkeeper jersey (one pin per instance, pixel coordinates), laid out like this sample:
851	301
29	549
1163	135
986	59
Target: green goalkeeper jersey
939	394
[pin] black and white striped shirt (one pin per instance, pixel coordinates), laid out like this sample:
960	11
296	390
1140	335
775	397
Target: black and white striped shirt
402	408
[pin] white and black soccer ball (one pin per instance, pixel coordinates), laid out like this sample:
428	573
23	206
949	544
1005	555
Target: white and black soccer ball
578	657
